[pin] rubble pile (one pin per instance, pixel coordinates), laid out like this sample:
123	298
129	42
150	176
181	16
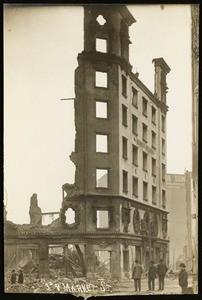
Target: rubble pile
55	224
76	286
56	261
101	281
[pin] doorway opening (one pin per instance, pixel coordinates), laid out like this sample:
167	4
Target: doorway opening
102	262
126	261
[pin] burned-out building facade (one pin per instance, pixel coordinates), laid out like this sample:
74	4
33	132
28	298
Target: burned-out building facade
120	145
119	196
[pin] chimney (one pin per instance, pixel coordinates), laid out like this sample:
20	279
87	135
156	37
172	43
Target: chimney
160	85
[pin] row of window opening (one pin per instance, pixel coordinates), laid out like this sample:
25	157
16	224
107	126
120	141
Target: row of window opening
135	120
102	177
135	189
103	215
135	148
102	145
101	80
144	160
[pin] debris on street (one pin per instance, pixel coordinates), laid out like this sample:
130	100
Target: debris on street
76	286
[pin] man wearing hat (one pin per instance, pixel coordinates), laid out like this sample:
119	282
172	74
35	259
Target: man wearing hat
161	272
136	275
183	278
151	276
13	277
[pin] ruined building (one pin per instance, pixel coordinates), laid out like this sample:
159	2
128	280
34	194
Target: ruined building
119	196
120	146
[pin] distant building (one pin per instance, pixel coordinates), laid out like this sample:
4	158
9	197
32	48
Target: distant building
179	207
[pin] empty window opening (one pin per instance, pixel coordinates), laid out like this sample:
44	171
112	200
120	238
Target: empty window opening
124	115
101	79
144	163
153	194
70	216
163	198
55	249
163	146
134	97
163	123
124	85
153	166
135	155
71	247
102	218
134	124
135	186
101	45
138	253
153	115
101	20
145	190
102	178
144	132
102	261
163	171
124	147
144	106
101	109
125	181
153	140
102	143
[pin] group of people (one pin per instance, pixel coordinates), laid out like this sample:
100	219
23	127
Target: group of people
152	273
160	270
14	277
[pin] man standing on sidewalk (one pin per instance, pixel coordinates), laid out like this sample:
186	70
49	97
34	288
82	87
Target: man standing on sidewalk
161	271
151	276
136	275
183	278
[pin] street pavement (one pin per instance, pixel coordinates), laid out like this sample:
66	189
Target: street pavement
171	287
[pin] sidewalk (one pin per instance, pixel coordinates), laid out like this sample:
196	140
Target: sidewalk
171	287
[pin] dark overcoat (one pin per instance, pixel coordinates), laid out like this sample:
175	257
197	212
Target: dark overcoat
161	269
183	278
152	272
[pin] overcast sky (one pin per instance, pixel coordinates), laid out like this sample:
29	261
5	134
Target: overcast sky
41	45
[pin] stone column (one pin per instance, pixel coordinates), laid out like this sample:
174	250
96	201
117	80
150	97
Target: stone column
18	256
116	260
43	260
143	248
65	252
90	261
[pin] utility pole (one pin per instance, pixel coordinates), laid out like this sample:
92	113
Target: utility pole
150	252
